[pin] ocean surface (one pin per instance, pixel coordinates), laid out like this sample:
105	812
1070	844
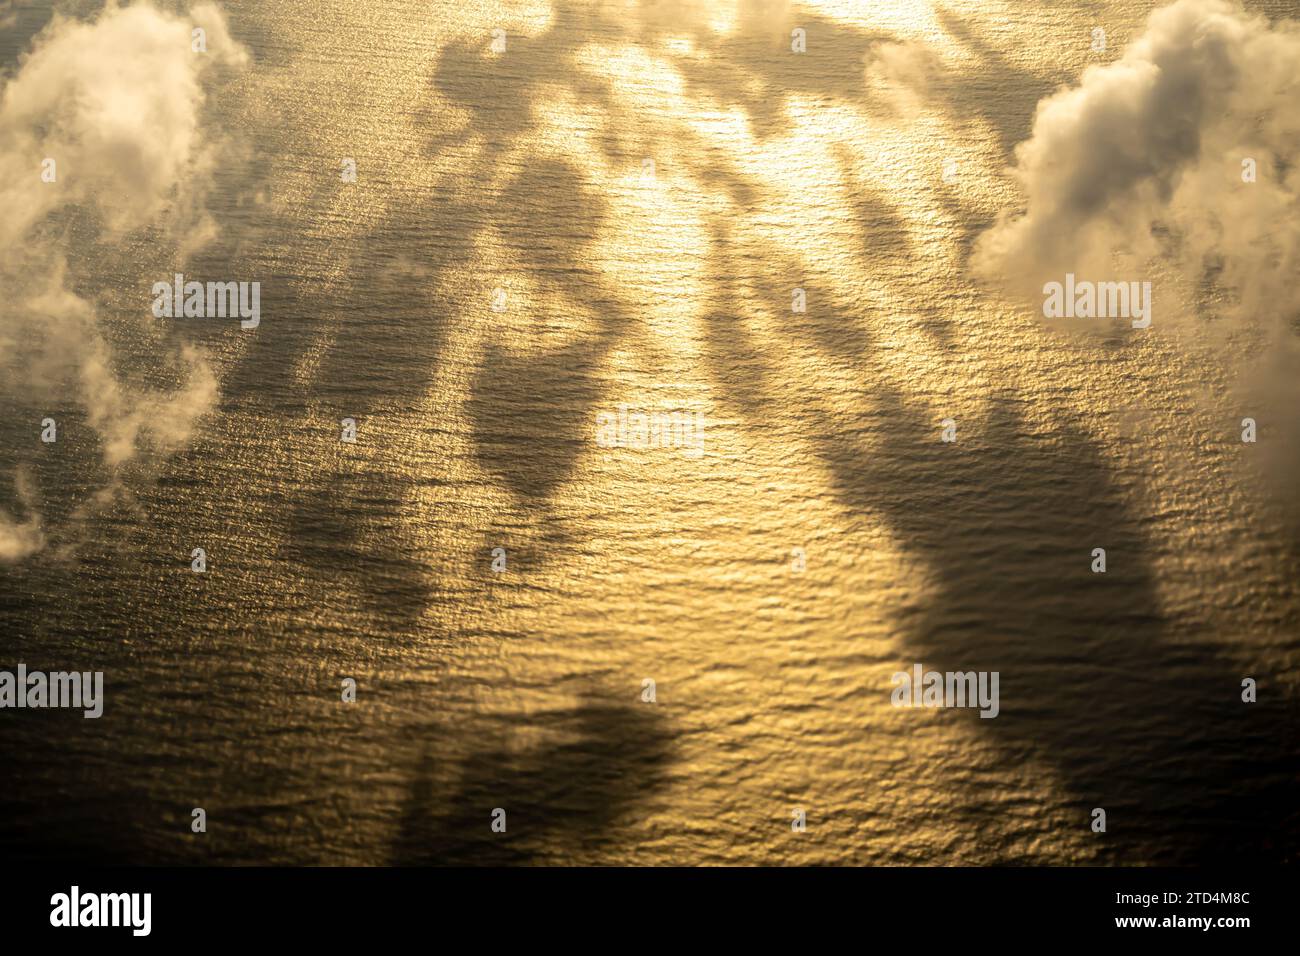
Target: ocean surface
524	171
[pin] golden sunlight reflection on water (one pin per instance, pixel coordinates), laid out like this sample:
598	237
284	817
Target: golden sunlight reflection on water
661	288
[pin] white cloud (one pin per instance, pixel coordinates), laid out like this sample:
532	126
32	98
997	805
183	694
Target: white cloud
1136	172
1156	139
117	103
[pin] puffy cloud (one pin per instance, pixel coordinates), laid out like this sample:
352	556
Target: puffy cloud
117	103
1144	158
1137	172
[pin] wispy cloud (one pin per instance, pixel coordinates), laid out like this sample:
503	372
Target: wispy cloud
116	104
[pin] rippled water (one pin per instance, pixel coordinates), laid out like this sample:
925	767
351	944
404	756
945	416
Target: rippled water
522	690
